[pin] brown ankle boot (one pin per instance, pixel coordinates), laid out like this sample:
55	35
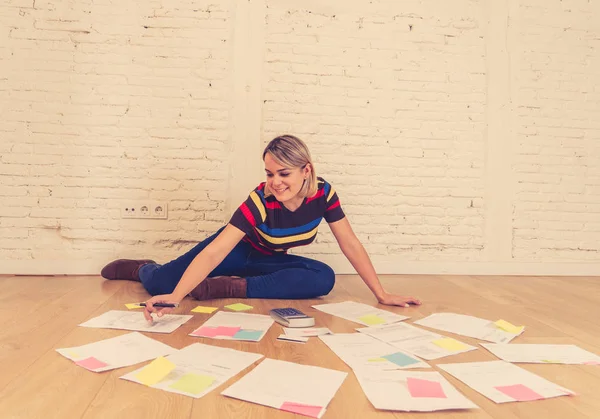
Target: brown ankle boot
124	269
220	287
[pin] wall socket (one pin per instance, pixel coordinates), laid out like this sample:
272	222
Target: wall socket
144	209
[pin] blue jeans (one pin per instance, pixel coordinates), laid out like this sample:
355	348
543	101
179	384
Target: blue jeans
280	276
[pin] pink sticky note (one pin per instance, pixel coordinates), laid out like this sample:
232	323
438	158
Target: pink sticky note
91	363
302	409
210	332
591	363
226	331
519	392
425	388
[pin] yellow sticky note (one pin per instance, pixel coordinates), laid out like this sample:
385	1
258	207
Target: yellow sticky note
239	307
201	309
372	319
73	354
551	361
193	383
378	360
132	306
508	327
155	371
450	344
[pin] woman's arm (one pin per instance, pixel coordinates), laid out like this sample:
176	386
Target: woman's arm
358	257
202	265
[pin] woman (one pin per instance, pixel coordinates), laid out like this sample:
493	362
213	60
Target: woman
248	257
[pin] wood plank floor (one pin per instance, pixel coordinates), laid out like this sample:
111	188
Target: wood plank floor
41	314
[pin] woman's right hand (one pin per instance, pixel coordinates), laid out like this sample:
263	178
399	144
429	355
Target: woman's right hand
160	311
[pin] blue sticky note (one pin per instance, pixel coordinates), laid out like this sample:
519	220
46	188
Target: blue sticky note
248	335
401	359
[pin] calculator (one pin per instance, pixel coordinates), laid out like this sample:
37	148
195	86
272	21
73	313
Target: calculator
291	317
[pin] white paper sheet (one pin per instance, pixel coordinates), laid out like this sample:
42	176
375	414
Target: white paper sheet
470	326
128	320
415	340
363	352
356	312
250	327
391	390
504	382
219	363
542	353
286	385
117	352
306	331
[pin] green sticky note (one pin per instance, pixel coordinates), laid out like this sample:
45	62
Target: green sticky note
239	307
450	344
193	383
155	371
132	306
509	327
202	309
372	319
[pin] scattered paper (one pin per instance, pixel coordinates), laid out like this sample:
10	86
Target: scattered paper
235	326
199	369
361	351
302	389
411	391
504	382
121	351
202	309
155	371
541	353
297	339
306	331
422	343
126	320
360	313
472	327
239	307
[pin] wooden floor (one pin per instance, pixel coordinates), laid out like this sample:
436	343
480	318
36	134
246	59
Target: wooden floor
40	314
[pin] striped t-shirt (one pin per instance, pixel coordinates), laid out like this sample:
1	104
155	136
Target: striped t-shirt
270	227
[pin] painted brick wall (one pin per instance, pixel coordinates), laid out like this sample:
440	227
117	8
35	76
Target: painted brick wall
391	99
104	101
557	155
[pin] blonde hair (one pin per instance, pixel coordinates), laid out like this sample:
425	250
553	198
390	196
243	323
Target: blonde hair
291	152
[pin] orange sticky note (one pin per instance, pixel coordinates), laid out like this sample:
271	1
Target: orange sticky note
155	371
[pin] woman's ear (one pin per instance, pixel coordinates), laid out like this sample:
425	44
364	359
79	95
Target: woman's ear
307	170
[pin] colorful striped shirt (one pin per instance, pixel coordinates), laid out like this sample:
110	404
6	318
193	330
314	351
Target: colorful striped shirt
270	227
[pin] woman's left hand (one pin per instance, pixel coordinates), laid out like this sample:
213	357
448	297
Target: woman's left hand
398	300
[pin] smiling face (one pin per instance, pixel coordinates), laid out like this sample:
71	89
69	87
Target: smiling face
285	182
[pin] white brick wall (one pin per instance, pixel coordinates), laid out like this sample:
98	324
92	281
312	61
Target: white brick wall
392	103
557	206
106	101
402	104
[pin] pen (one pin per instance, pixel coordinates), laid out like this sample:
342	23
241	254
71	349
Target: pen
162	305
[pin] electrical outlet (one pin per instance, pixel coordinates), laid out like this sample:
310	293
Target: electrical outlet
144	209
